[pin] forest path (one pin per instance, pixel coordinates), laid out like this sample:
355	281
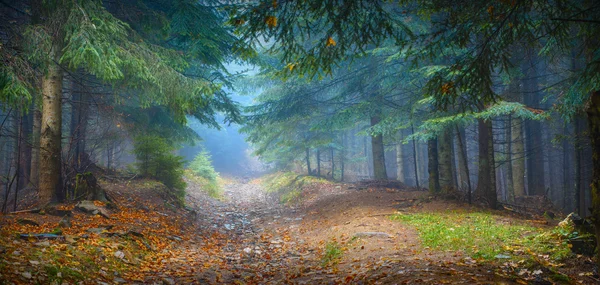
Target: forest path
261	242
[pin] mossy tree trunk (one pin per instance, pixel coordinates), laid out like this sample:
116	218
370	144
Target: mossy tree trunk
593	111
517	157
486	187
35	147
445	160
50	137
434	175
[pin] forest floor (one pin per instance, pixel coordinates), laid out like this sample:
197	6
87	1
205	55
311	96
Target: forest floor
334	234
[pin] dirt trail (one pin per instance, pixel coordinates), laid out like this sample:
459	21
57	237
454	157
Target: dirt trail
265	243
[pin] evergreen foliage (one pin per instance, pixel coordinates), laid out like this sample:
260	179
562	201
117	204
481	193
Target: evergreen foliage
156	160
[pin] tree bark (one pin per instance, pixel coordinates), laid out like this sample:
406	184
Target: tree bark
509	173
517	157
434	175
308	161
379	169
486	186
318	162
332	164
578	189
414	147
463	163
445	161
593	112
35	149
50	138
533	130
400	159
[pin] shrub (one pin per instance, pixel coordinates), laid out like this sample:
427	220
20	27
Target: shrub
203	174
156	160
202	166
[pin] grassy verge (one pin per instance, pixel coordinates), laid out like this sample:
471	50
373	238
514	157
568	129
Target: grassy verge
289	185
485	236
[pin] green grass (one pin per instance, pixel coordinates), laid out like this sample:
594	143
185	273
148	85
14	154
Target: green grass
332	254
483	235
210	186
289	185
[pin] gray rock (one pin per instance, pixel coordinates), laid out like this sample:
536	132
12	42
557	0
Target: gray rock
27	222
89	207
95	230
168	281
372	234
65	222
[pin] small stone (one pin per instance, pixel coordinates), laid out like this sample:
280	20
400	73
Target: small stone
96	230
27	222
16	253
65	222
168	281
43	243
119	254
248	250
120	280
33	262
502	256
27	275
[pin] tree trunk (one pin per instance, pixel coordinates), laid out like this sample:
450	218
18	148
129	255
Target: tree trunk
565	168
308	161
463	162
379	170
414	146
593	111
509	166
35	149
578	189
332	164
434	175
342	156
517	157
486	186
445	161
318	162
534	143
400	159
50	136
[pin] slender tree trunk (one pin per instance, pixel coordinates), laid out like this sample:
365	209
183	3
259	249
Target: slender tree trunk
445	160
593	111
332	164
434	175
18	156
50	137
486	187
318	162
509	166
517	157
565	164
533	130
400	159
414	145
462	151
308	161
578	189
342	156
379	169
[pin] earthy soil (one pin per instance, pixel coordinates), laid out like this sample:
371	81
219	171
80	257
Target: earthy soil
248	237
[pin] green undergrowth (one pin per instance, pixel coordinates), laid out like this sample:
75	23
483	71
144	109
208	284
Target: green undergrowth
289	185
486	236
332	254
212	187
